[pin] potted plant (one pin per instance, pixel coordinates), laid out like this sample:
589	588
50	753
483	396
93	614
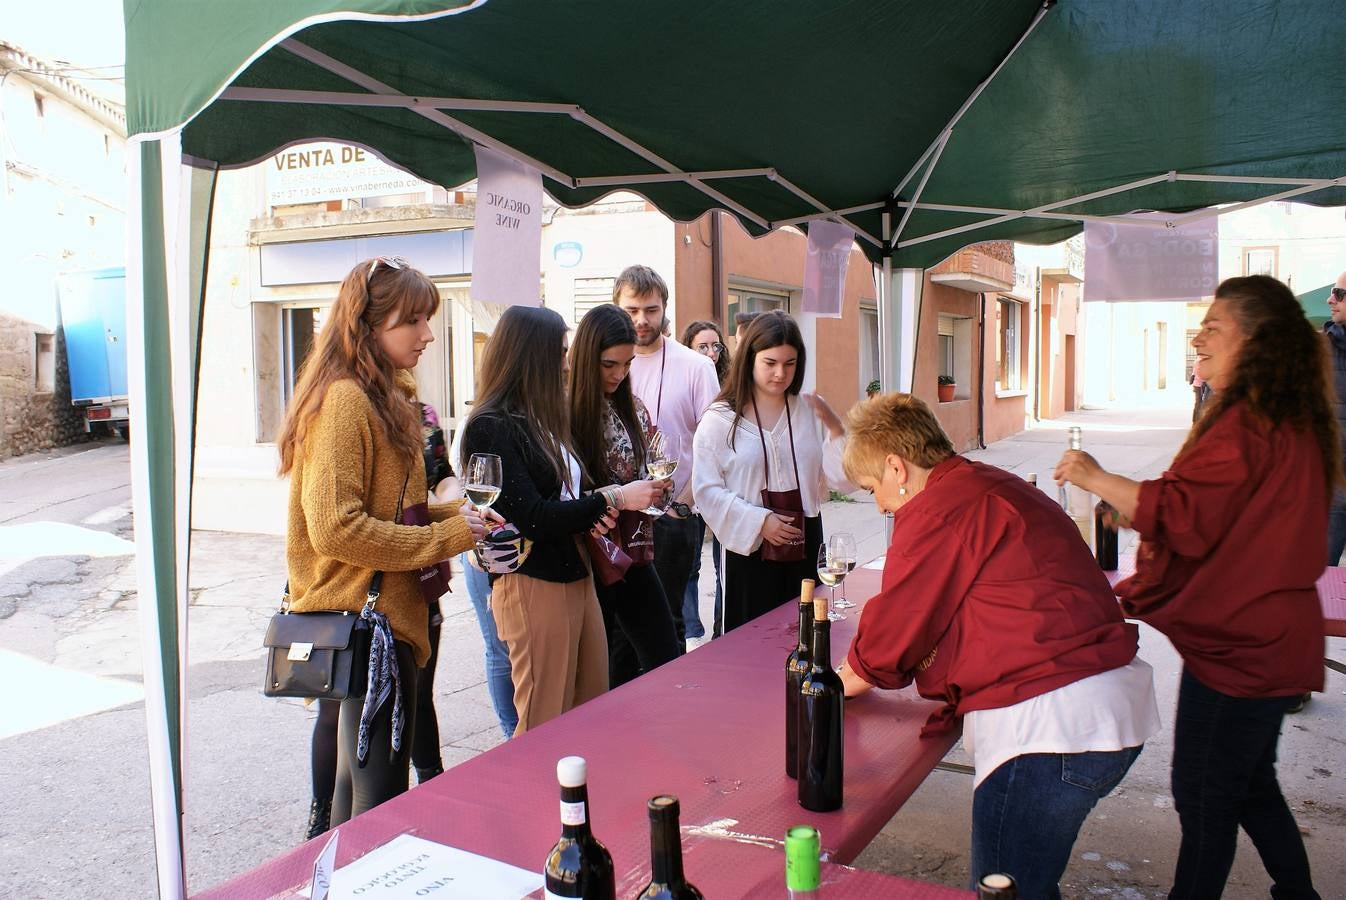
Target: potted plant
947	387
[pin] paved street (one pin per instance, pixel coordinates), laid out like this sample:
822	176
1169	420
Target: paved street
72	748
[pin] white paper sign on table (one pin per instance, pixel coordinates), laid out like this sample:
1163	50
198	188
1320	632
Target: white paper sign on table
409	866
507	239
321	884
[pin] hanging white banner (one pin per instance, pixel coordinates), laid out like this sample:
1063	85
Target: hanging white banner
1137	262
829	251
507	242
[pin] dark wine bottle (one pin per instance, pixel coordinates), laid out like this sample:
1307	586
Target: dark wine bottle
797	665
803	848
666	878
578	866
1105	536
997	886
820	724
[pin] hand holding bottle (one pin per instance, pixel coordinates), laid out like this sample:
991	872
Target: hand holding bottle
1078	468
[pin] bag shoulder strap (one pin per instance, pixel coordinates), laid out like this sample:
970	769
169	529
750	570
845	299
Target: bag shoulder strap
761	434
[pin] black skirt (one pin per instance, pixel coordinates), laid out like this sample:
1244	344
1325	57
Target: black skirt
753	586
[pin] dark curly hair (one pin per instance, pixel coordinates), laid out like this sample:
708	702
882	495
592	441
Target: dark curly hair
1282	371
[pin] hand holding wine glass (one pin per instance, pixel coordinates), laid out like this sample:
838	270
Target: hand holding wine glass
483	482
842	545
830	571
661	460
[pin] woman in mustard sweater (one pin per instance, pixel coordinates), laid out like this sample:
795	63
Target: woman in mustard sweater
352	448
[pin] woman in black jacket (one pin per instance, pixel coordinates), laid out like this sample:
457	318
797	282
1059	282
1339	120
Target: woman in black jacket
546	611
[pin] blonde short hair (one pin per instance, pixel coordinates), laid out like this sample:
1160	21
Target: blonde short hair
892	423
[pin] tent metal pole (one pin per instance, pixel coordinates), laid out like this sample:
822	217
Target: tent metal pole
1283	195
1243	179
826	213
648	155
355	76
1063	217
391	101
1121	188
863	207
657	177
920	188
972	98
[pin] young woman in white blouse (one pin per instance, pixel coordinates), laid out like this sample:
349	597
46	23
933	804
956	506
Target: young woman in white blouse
761	435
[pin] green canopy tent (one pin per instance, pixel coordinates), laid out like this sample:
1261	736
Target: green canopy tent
924	126
1315	304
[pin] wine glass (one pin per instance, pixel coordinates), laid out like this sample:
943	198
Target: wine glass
830	571
842	546
483	482
661	461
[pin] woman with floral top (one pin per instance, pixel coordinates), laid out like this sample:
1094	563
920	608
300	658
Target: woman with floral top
609	429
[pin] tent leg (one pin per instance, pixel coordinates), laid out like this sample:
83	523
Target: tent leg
153	477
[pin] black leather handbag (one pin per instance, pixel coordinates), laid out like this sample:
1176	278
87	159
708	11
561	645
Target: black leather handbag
324	655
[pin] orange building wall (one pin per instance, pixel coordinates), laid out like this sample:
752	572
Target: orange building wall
958	417
777	258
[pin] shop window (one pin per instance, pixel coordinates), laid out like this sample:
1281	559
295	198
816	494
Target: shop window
589	293
1009	345
44	363
299	331
871	354
755	300
955	352
1261	261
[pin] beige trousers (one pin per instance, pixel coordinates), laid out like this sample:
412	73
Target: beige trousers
558	648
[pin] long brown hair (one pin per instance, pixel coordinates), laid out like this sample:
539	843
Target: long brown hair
602	328
724	360
1282	371
346	348
521	383
765	331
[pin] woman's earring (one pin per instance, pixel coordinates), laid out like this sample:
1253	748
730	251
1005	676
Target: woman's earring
902	490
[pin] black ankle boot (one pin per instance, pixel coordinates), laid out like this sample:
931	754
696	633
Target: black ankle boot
319	818
424	775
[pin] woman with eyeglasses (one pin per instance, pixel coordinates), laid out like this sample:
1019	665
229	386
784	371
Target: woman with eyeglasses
545	610
705	338
610	430
352	445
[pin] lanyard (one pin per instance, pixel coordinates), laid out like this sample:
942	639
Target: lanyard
659	402
761	433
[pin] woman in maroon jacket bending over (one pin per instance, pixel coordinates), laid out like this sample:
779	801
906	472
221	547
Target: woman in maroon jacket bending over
1226	568
993	603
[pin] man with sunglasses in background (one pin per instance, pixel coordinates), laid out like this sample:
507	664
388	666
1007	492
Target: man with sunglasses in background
1335	329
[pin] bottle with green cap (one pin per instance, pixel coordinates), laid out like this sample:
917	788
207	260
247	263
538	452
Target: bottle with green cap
802	868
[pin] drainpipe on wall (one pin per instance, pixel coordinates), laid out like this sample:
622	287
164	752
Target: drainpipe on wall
717	306
981	375
1037	346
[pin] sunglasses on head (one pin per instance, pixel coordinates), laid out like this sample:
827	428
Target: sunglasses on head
1337	295
392	262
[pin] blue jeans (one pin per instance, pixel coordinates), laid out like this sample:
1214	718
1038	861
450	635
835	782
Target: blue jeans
691	599
675	546
1336	528
498	681
1224	776
1028	812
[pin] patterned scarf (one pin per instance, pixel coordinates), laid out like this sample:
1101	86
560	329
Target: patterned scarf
384	679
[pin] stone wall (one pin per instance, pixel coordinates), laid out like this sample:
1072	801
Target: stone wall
31	420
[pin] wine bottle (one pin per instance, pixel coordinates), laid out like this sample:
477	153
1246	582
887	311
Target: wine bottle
1105	536
578	865
820	725
666	878
797	665
997	886
1074	500
802	869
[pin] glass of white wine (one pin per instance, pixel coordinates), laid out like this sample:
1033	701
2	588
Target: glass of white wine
483	481
661	461
830	571
842	545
